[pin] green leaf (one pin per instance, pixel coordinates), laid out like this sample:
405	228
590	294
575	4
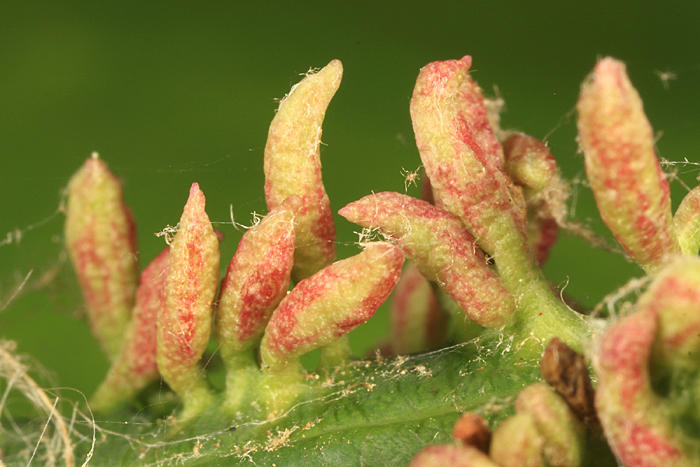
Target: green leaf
367	412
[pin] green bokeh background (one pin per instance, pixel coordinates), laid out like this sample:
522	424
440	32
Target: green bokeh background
171	93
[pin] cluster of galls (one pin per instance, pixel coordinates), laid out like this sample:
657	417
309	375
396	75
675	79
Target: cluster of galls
491	213
547	429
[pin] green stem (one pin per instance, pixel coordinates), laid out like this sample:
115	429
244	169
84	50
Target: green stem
242	374
197	398
335	354
280	387
540	314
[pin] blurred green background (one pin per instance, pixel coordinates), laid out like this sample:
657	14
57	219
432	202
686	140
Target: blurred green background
170	93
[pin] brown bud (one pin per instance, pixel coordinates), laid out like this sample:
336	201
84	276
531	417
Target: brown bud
565	370
472	430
